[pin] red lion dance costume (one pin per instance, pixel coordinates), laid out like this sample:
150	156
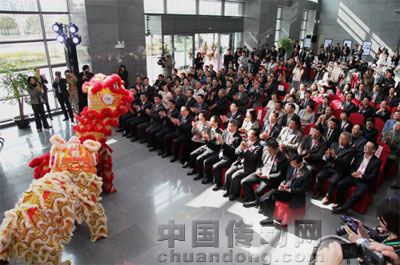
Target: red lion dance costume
107	101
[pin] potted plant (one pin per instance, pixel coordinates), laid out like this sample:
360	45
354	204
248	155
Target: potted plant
16	85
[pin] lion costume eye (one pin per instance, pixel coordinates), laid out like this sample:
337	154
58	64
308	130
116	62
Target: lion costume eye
108	99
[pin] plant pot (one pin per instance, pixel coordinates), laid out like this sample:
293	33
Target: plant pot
22	123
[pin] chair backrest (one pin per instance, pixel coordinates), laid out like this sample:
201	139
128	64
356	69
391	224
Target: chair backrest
357	118
379	124
261	112
307	129
382	153
337	112
335	104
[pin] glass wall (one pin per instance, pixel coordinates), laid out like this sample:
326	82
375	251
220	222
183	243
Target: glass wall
27	40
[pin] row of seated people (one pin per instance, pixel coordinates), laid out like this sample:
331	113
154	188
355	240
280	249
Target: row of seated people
242	148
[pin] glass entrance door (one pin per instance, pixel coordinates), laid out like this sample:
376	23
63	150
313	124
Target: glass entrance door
183	51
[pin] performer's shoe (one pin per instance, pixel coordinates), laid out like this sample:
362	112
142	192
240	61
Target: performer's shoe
191	172
206	180
267	221
65	119
250	204
198	177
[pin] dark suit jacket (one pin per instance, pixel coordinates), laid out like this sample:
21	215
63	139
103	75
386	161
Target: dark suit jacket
383	115
371	172
347	127
316	153
237	116
371	135
274	132
190	103
278	168
298	186
343	158
242	102
334	136
185	128
379	98
142	110
230	147
221	107
180	102
212	143
63	86
351	107
170	114
369	112
154	115
250	157
284	121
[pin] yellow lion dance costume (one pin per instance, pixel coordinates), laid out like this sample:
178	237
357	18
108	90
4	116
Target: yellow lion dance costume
43	220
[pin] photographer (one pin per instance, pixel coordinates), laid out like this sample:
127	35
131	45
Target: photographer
167	64
83	77
123	73
384	238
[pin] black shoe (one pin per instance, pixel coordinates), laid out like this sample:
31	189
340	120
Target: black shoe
260	210
142	141
316	195
250	204
51	118
65	119
232	197
338	210
130	136
267	221
226	194
48	128
39	130
134	139
206	180
191	173
185	165
395	186
165	155
216	187
161	153
198	177
125	134
120	130
279	223
73	120
148	145
173	159
152	149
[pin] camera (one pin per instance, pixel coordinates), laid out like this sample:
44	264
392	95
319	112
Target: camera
161	61
361	249
349	221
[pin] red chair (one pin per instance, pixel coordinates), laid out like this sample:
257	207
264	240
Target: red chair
394	109
337	112
287	215
355	101
357	118
388	107
335	104
382	153
339	97
307	129
379	124
261	112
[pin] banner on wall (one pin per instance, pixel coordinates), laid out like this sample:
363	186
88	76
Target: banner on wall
327	42
366	46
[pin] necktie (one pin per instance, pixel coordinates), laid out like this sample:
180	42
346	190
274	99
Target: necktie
329	134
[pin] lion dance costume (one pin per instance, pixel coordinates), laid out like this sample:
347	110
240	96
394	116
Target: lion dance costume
70	179
108	101
43	220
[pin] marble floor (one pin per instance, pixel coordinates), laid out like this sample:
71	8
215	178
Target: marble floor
152	192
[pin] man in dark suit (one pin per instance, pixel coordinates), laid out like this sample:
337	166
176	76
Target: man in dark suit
249	153
168	126
191	101
147	89
233	115
370	133
181	134
293	190
337	161
382	112
231	140
60	88
179	98
290	114
270	173
363	174
212	145
142	115
241	98
155	118
357	141
271	129
312	148
199	106
332	131
376	95
365	108
348	105
83	76
220	104
344	124
228	58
